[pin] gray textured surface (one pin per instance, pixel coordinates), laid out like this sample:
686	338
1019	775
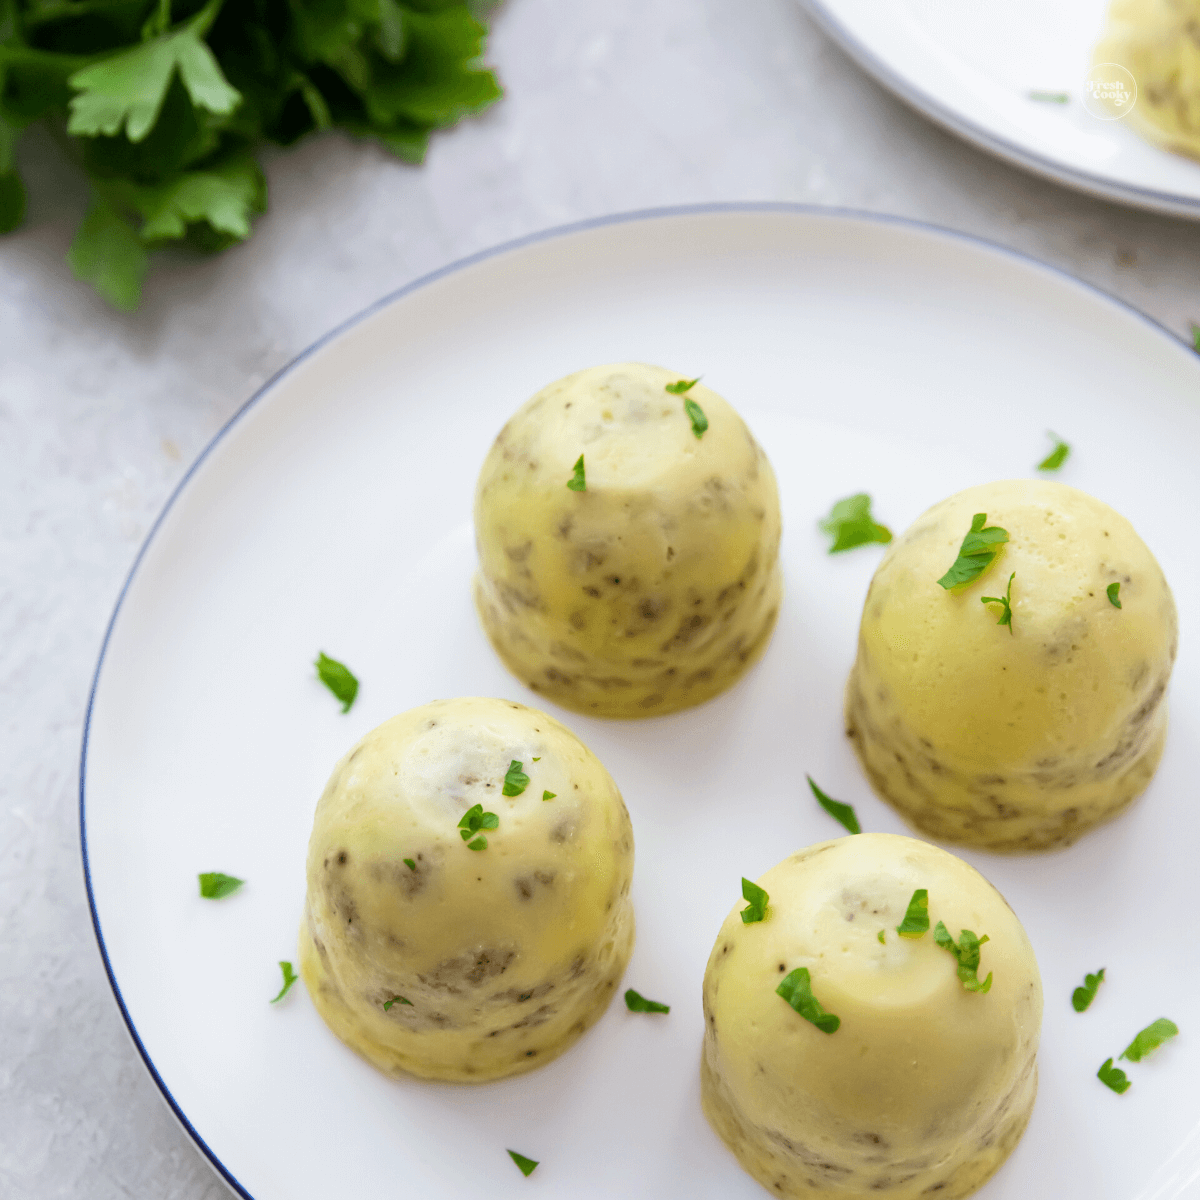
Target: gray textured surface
612	107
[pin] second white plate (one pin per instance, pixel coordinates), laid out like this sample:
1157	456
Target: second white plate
334	513
970	67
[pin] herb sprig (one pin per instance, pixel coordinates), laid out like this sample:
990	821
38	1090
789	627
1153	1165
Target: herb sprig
289	977
1149	1039
1113	591
966	951
473	820
978	551
1082	997
338	678
215	885
1113	1077
796	989
1005	601
850	524
165	106
835	808
682	385
515	780
638	1003
578	481
916	917
757	897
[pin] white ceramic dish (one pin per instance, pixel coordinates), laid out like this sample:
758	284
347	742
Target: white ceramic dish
970	67
333	513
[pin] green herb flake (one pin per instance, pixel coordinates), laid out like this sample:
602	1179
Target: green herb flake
696	416
1113	592
578	481
387	1004
1150	1039
978	551
1082	997
636	1003
473	820
549	795
1050	97
515	781
538	758
410	863
1196	337
289	977
1113	1077
966	951
216	886
850	524
916	919
1005	601
526	1165
835	808
682	385
882	938
796	989
1057	456
338	678
758	898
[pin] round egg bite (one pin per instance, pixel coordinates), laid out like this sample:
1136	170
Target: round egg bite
1020	736
628	542
468	912
923	1087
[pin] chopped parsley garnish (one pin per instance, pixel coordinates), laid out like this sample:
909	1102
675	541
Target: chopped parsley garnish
473	820
410	863
1005	601
338	678
396	1000
578	481
636	1003
1051	97
1114	594
977	552
1057	456
796	989
696	416
916	919
525	1164
1196	336
682	385
1113	1077
548	795
835	808
966	950
882	938
850	524
289	977
1082	997
1150	1039
758	902
216	886
515	781
537	758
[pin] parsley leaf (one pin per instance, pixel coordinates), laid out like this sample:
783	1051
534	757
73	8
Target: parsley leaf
1150	1039
338	678
289	977
1113	1077
548	795
977	552
578	481
216	886
525	1164
1006	601
1050	97
796	989
410	863
1057	456
516	781
1082	997
473	820
109	255
683	385
966	950
1113	592
127	90
835	808
916	919
757	911
1196	336
387	1004
882	938
696	416
850	524
636	1003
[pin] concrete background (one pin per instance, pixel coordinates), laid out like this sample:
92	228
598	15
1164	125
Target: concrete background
625	105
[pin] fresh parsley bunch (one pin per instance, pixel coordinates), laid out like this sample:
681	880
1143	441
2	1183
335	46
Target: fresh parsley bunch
163	103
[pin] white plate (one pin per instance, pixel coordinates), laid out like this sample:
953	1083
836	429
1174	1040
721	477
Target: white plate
333	513
970	66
